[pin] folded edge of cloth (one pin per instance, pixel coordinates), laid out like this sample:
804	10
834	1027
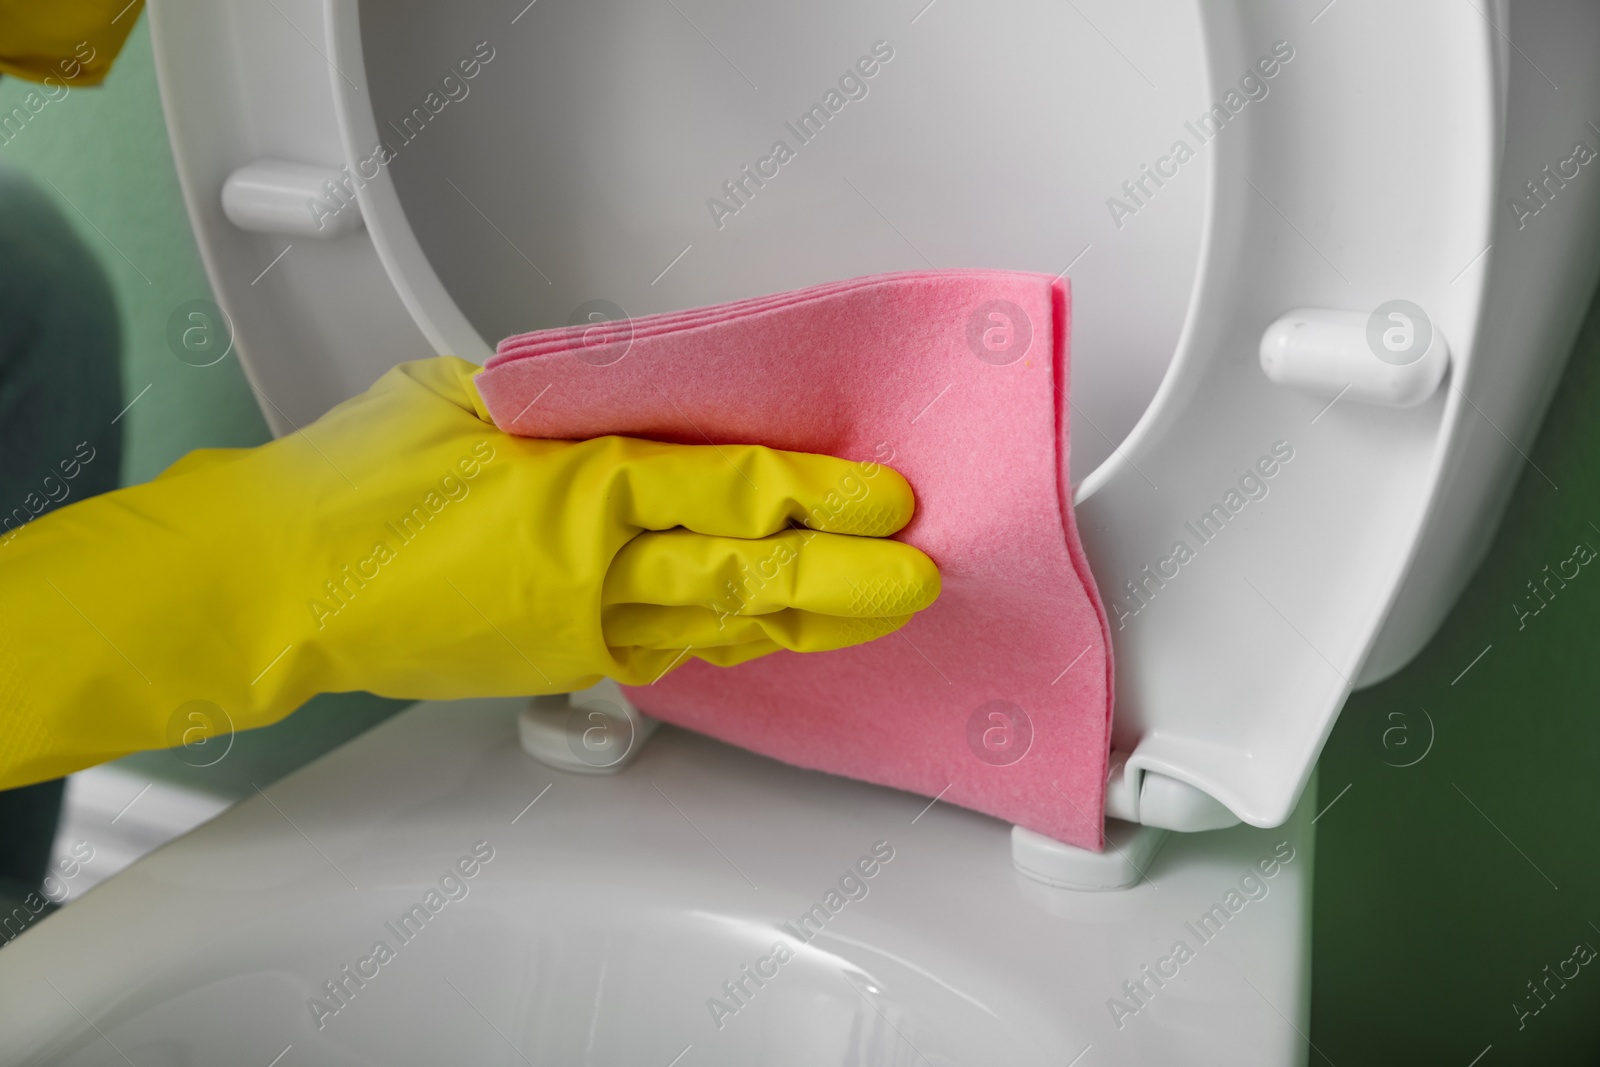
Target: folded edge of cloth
996	698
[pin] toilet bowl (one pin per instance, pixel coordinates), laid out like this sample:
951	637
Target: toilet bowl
1327	263
638	917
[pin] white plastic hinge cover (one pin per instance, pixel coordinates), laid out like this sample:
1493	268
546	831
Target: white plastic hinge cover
1127	855
1122	789
292	199
1174	805
1157	800
593	731
1393	356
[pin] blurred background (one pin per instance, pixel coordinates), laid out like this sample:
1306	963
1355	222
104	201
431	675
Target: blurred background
1460	800
102	154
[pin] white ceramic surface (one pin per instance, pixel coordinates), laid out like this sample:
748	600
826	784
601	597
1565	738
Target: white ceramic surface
614	908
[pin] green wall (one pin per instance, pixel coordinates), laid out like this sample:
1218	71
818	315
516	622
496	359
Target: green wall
1442	887
105	152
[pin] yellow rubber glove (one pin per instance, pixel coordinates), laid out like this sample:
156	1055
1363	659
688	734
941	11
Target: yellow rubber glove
403	545
63	42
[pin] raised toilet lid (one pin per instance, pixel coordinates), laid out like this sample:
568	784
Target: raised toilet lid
576	163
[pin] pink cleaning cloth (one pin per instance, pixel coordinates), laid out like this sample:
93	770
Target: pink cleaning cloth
998	697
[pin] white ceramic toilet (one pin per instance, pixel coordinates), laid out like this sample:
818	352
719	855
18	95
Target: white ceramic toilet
1362	271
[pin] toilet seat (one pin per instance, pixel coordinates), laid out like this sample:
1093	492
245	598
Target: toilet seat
1332	579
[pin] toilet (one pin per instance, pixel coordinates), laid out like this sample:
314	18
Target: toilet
1327	260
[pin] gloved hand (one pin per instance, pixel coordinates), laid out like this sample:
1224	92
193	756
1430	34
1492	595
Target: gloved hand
403	545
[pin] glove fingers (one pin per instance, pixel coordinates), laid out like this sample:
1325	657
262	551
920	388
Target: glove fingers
674	629
751	491
821	573
646	666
